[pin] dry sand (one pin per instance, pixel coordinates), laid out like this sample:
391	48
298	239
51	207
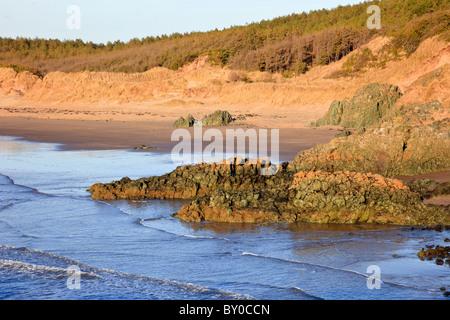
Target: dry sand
114	125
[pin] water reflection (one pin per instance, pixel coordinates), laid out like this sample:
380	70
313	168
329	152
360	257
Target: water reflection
15	145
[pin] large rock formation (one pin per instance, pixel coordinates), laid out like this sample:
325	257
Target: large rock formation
239	193
188	182
411	139
368	106
320	197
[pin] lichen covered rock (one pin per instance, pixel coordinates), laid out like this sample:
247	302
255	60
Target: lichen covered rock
188	182
412	139
367	107
183	123
320	197
428	188
218	118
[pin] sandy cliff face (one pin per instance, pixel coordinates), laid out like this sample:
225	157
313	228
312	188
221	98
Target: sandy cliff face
91	86
13	83
424	76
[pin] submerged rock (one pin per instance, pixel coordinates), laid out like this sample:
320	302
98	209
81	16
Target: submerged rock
434	252
144	147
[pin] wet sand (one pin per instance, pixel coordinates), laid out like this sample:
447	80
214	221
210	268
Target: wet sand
104	135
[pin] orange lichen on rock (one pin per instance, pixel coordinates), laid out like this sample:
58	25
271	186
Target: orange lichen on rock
319	197
362	179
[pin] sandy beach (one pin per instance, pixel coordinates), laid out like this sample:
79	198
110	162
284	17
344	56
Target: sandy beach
105	135
102	135
112	125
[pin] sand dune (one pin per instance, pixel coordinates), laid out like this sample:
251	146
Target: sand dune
265	99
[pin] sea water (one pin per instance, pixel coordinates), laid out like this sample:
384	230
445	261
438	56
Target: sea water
137	250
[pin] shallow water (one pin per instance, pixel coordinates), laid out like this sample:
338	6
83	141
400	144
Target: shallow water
136	250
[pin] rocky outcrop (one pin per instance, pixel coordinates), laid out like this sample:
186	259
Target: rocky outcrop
184	122
188	182
368	106
320	197
218	118
428	188
411	139
435	252
229	192
390	139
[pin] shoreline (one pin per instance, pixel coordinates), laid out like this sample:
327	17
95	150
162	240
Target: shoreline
107	135
126	135
75	134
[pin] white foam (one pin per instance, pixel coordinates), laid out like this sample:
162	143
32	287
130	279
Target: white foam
25	267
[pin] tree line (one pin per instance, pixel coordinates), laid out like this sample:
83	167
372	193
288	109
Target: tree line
289	45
